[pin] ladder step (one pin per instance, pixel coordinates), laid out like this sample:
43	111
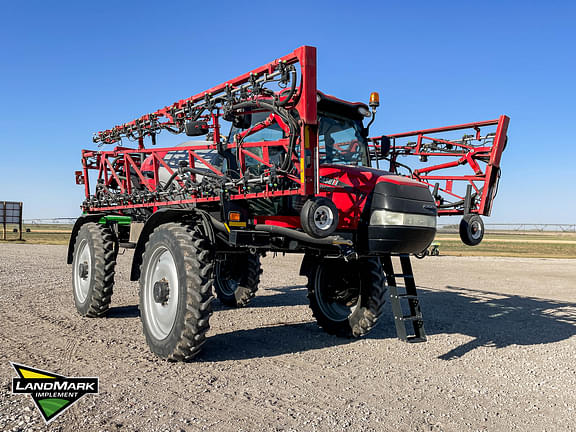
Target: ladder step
401	275
405	296
415	339
410	318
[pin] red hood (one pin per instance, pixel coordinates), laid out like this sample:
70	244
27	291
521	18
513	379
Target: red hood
349	188
362	178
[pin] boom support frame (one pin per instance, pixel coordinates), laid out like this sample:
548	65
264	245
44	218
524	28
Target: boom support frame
466	180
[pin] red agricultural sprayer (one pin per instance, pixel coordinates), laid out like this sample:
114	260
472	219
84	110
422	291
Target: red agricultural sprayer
296	173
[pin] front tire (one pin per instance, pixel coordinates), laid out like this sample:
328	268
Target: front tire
347	298
236	278
93	268
175	291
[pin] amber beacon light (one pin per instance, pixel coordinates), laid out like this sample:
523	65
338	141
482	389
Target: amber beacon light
374	100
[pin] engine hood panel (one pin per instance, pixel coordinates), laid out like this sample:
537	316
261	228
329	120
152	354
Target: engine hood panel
353	188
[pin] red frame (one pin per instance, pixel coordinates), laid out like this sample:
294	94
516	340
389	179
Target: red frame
125	158
471	156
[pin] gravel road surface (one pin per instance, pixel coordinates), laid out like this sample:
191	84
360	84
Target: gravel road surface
501	354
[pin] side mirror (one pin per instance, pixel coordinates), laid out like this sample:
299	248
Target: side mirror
195	128
384	146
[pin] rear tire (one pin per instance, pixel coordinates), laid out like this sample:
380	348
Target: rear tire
346	298
175	291
93	268
236	279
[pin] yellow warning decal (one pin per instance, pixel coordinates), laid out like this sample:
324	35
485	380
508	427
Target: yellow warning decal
237	224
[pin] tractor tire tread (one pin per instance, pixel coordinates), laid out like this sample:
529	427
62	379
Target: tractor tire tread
104	268
197	252
247	288
362	321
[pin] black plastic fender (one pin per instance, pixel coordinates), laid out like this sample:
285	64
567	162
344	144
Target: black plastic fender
93	217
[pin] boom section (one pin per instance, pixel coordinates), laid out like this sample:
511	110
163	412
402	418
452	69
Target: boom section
460	164
135	177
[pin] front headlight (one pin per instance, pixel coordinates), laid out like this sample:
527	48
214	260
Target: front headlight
386	217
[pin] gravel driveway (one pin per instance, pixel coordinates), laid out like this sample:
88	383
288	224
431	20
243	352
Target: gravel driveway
501	354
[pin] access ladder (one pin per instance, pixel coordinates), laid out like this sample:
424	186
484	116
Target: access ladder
404	313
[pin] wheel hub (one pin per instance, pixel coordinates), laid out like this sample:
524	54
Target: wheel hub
323	217
161	291
347	297
83	270
476	230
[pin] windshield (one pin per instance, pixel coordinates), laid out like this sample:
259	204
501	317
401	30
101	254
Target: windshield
340	141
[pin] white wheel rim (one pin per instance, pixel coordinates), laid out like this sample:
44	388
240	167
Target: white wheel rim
82	271
323	217
161	316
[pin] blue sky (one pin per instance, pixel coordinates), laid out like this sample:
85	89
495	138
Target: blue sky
68	69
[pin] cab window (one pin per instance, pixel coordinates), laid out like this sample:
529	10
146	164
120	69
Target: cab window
340	141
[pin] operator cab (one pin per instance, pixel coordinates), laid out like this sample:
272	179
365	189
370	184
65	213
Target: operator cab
341	134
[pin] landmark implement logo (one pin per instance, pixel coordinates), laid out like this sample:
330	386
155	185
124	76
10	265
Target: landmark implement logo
52	393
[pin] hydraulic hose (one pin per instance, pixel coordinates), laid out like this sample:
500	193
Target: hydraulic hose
300	236
287	232
291	91
217	224
286	116
192	171
457	203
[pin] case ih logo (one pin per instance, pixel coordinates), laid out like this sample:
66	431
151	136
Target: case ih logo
53	394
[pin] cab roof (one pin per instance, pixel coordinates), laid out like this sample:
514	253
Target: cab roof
329	103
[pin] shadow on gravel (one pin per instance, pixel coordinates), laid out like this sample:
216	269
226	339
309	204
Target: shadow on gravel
273	340
268	341
131	311
495	319
293	295
490	318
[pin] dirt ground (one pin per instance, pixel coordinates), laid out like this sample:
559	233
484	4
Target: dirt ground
501	354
